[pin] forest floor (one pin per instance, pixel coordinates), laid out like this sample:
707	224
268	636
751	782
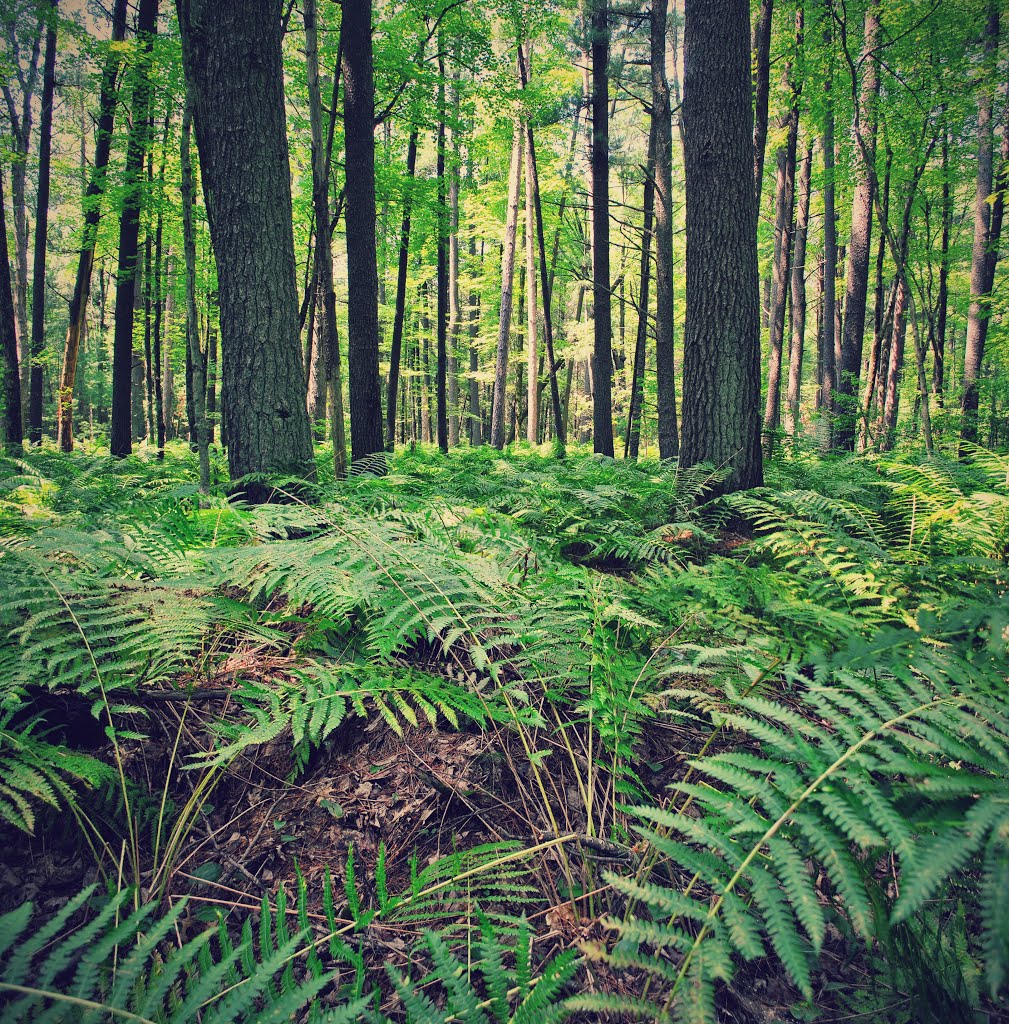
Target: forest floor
431	702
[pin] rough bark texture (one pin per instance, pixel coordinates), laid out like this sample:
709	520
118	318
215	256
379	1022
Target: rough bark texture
793	395
38	342
665	363
532	333
123	370
721	358
396	351
13	430
602	351
232	55
895	370
856	286
982	270
497	430
442	312
828	331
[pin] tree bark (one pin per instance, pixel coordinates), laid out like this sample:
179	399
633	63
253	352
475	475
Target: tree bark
129	229
984	254
856	287
232	57
827	339
721	359
942	301
602	351
442	311
532	335
92	214
327	342
895	370
761	92
665	361
38	342
784	211
497	437
793	396
396	351
13	430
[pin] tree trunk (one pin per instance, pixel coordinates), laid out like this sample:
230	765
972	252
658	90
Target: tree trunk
665	361
983	255
452	141
475	419
396	352
793	396
442	313
92	213
633	439
497	437
129	229
38	342
761	92
602	352
828	339
856	287
721	358
13	430
159	398
784	212
942	301
232	56
199	379
895	370
327	342
532	337
211	366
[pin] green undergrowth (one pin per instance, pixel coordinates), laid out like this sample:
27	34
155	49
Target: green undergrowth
822	661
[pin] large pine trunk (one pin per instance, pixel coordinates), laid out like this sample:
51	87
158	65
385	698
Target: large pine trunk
721	358
123	369
232	54
362	262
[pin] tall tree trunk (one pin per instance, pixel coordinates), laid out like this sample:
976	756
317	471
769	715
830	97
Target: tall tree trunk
442	313
362	266
497	436
602	351
327	342
149	313
942	301
665	361
983	256
784	212
396	351
761	92
828	339
721	358
199	379
856	287
232	56
211	365
633	438
473	303
159	292
532	336
793	396
454	321
895	370
92	213
13	430
129	229
38	342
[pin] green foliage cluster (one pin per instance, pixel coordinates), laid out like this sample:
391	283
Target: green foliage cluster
834	642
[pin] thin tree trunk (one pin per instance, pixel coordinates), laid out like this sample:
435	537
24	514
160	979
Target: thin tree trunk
326	354
602	351
211	366
761	92
129	228
396	352
199	380
442	313
13	430
454	319
784	207
665	361
633	438
532	337
497	438
362	266
793	396
92	214
856	288
984	253
942	302
473	302
159	398
829	270
895	370
38	342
